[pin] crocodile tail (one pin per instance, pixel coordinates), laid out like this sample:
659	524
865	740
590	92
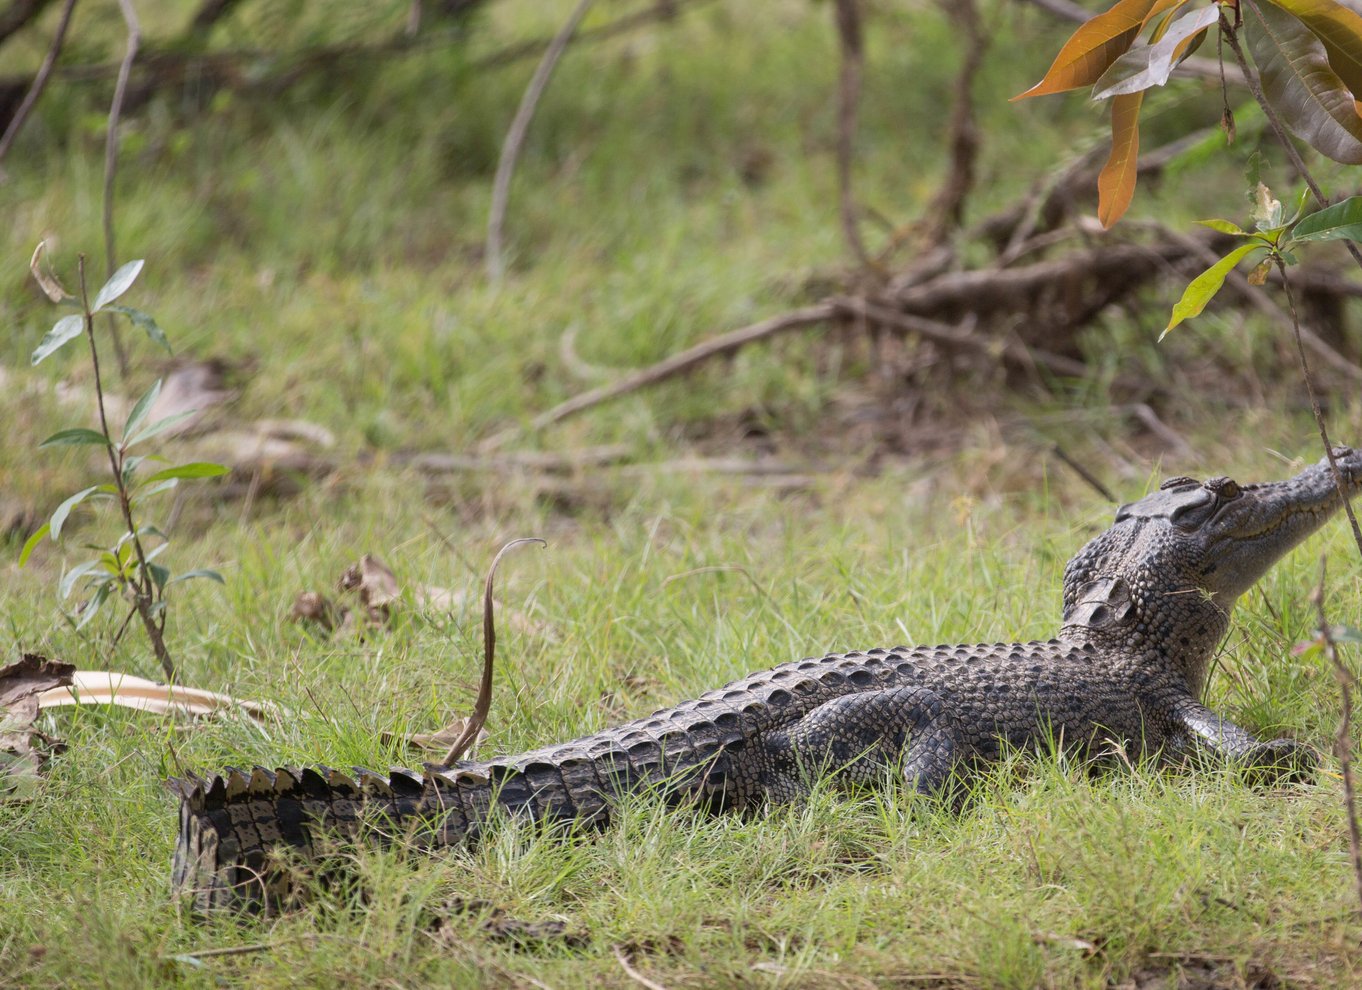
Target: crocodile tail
239	829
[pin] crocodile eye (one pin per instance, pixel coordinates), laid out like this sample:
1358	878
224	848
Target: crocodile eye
1177	482
1223	488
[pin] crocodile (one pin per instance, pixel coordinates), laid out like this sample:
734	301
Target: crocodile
1145	605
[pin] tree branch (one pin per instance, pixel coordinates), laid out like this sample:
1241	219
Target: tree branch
39	80
851	40
515	138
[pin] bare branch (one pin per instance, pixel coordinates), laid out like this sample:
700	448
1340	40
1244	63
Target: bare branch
111	163
18	15
948	207
515	138
39	80
850	37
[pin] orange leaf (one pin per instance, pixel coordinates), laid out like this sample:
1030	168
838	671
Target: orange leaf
1091	49
1116	184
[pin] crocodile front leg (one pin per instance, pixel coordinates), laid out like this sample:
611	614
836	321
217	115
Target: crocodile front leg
858	737
1198	729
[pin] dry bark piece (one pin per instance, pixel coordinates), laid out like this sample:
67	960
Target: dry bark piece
24	749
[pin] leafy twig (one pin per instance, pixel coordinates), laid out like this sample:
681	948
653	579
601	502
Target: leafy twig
39	81
1228	31
483	704
515	138
142	591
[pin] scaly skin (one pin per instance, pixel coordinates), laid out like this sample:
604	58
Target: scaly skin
1145	605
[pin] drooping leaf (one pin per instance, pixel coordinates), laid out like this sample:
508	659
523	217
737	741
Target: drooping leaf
160	426
73	437
1297	81
1116	183
1170	8
33	541
199	572
1203	288
1338	29
1340	222
198	469
53	289
1091	49
67	328
119	283
92	607
69	579
158	574
1145	66
156	489
1225	227
58	519
140	319
140	410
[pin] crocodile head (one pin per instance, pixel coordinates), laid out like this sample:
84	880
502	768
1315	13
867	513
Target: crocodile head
1162	580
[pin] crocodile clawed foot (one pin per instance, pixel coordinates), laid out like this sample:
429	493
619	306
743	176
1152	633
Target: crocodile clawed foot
1281	761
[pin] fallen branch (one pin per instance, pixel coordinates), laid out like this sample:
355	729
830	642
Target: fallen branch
515	138
677	364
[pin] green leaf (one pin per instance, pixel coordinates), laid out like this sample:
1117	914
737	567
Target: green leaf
1298	83
201	572
67	328
1203	288
93	606
143	320
158	574
69	579
139	411
1146	66
1339	30
119	283
1340	222
1225	227
198	469
155	489
33	541
75	437
160	426
59	517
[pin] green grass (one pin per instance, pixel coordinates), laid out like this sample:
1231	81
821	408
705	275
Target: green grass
327	243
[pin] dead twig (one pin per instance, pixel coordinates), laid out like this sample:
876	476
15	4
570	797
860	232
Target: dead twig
483	704
1083	473
632	973
1343	740
515	139
40	80
111	165
847	14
